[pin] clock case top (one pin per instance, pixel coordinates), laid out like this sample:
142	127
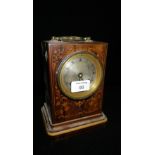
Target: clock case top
62	108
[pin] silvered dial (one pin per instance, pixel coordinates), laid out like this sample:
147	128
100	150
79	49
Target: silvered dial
79	67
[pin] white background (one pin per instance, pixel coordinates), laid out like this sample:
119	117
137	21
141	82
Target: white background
138	77
16	77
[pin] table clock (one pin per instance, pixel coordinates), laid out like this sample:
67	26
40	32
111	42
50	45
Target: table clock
74	70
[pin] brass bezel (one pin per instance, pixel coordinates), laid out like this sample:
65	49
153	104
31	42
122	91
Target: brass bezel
94	86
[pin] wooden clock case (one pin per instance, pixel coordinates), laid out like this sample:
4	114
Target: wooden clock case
62	114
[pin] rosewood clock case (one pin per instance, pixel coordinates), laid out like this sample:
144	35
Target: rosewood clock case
63	114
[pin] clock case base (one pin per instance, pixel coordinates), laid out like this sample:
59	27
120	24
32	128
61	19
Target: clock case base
59	129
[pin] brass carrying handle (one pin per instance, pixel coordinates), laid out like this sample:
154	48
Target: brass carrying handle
71	38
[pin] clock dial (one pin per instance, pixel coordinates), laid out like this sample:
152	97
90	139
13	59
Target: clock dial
81	66
77	70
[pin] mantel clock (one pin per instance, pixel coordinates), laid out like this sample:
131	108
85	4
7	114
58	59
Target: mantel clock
74	80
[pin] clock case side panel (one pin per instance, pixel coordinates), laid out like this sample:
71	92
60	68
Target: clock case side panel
47	81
